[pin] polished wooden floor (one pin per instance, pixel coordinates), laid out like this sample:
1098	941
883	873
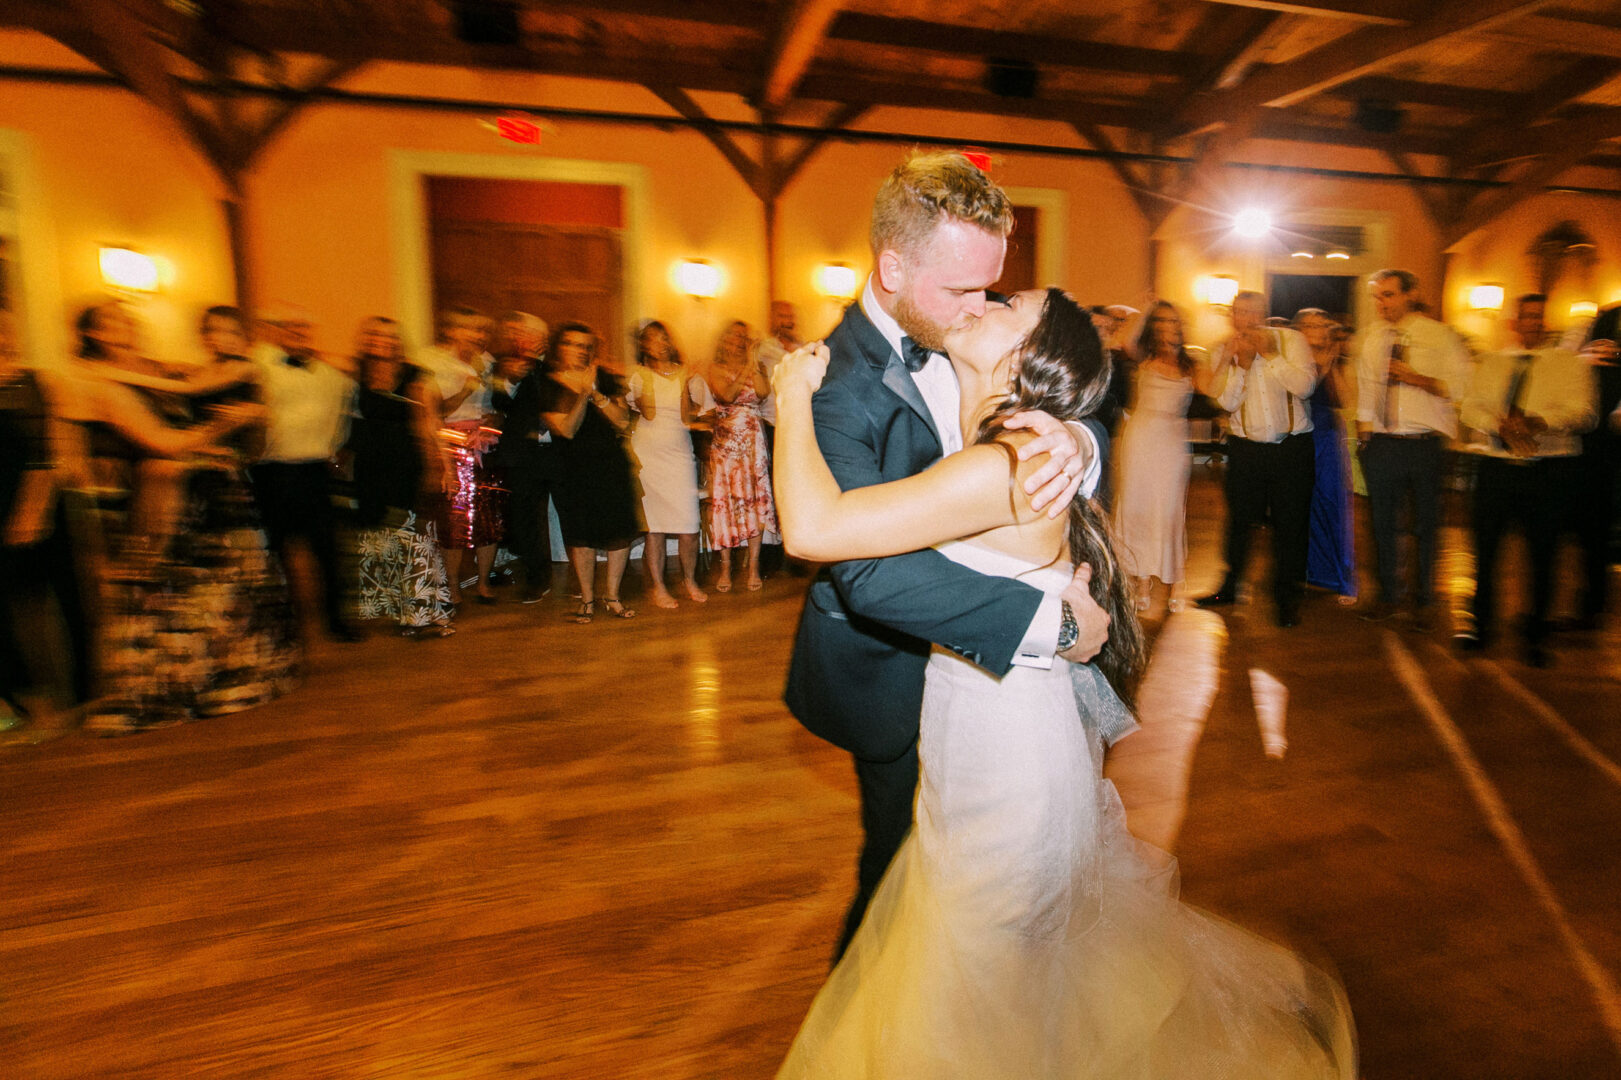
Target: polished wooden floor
543	850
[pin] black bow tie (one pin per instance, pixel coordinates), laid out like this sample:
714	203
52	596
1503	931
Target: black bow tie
913	355
294	361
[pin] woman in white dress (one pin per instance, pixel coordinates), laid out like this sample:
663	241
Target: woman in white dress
666	397
1021	931
1152	458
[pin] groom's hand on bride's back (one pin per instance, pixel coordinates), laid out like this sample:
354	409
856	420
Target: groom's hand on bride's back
1092	619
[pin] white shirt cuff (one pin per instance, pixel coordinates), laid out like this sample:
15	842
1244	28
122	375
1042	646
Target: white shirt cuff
1094	463
1041	640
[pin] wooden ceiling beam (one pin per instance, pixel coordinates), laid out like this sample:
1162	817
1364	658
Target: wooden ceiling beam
804	27
719	138
1561	33
1504	138
850	86
784	171
1241	39
1350	56
1144	194
1378	12
1408	91
1577	138
984	41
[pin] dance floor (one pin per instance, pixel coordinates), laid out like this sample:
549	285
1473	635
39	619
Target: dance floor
537	849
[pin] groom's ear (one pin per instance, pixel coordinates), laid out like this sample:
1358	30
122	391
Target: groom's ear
891	270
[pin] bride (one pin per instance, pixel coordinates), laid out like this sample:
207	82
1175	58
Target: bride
1021	932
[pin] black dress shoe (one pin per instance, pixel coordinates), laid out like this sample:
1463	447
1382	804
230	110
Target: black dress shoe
1219	598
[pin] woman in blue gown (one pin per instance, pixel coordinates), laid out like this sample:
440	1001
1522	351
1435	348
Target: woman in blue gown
1330	556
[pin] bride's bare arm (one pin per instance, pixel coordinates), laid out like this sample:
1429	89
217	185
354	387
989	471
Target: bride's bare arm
961	495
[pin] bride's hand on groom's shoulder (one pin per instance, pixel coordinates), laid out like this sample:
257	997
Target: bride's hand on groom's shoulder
801	370
1089	616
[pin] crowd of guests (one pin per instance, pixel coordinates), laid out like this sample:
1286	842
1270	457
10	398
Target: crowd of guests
1532	430
150	508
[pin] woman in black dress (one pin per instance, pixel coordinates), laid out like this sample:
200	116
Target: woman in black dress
399	473
596	497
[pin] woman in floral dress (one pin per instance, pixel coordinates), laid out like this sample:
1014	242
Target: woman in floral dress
740	507
399	473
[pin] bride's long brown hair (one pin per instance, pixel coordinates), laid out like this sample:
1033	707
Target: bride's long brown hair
1062	370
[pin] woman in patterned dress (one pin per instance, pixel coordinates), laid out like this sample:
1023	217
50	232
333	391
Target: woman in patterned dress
740	507
399	474
203	624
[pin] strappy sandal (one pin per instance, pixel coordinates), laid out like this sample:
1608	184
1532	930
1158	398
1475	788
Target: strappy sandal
587	610
616	609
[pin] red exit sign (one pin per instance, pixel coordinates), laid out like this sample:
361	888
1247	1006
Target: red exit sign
518	129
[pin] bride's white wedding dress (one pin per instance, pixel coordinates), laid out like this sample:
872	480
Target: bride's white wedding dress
1022	933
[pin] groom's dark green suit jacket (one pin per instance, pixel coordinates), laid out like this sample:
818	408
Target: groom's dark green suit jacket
856	677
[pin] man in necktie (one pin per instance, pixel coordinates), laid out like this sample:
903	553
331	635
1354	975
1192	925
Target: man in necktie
1530	403
1262	376
1410	372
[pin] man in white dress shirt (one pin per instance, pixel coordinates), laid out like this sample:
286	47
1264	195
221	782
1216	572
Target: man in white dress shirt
1530	404
307	402
1410	373
1262	376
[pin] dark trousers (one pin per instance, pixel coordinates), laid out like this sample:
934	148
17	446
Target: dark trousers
38	582
772	556
1401	470
295	500
888	789
1276	480
1535	495
1593	506
530	477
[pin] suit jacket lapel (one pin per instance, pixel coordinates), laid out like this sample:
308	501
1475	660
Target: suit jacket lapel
879	354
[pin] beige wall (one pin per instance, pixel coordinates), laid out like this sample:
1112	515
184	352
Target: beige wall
323	233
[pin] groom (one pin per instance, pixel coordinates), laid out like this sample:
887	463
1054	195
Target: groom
888	409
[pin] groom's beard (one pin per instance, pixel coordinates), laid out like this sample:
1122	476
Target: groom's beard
918	326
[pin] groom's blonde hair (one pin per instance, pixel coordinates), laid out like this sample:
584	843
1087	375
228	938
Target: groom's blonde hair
927	188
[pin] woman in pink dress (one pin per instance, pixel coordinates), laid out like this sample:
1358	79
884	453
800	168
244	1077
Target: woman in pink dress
740	506
1151	489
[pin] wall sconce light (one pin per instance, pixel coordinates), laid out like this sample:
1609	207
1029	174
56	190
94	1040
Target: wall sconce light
1217	290
1302	255
698	278
125	268
1338	255
1486	298
836	280
1583	309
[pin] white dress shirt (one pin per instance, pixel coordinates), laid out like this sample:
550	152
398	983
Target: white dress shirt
306	408
1556	387
1433	350
937	382
1267	402
769	353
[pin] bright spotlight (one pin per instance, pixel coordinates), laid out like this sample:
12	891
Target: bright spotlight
1252	224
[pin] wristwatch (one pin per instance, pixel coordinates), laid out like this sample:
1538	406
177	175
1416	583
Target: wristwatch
1069	631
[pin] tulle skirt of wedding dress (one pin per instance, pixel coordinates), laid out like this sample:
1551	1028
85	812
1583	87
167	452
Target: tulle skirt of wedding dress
1022	932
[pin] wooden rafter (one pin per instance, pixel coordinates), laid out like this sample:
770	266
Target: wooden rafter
1386	12
1562	34
1348	57
1569	142
1436	205
746	167
1242	38
980	41
1137	184
250	142
804	26
783	171
1504	139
